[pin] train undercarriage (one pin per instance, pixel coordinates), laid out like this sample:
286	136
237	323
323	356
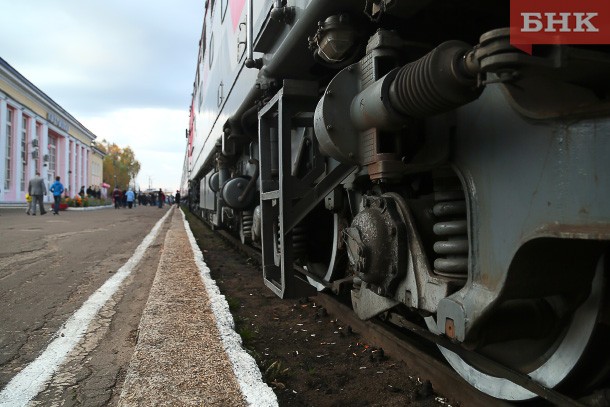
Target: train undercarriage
465	186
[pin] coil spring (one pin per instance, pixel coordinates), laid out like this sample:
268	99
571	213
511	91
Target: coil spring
299	241
453	229
247	221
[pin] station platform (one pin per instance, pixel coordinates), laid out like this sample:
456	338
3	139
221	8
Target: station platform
187	351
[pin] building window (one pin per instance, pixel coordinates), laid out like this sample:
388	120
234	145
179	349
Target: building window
52	158
24	150
9	149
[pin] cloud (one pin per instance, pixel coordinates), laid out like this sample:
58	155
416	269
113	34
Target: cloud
156	135
93	56
124	69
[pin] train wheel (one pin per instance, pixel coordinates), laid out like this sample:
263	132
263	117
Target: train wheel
561	361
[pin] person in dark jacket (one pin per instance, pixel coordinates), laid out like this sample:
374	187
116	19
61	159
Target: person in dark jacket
36	189
116	196
177	198
161	198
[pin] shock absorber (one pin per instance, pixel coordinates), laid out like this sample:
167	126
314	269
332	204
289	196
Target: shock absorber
452	228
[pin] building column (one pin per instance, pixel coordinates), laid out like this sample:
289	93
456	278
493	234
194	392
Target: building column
80	166
71	160
87	168
3	116
81	160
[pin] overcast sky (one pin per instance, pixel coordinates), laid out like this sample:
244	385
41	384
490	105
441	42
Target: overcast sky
123	68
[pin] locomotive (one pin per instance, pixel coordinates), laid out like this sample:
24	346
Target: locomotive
404	155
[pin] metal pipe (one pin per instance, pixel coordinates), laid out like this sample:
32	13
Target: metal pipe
250	39
252	183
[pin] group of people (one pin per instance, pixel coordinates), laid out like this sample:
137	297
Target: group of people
37	190
124	199
128	198
93	191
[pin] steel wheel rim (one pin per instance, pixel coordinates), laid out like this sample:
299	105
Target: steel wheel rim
556	368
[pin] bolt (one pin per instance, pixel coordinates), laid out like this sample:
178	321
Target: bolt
329	127
329	92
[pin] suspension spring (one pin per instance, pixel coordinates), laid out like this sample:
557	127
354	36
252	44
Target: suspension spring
245	233
452	230
299	242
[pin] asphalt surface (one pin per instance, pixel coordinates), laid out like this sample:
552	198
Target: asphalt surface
49	266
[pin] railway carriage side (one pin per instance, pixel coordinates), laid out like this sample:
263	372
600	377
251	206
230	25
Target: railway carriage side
405	155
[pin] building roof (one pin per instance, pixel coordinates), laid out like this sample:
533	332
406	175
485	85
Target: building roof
43	97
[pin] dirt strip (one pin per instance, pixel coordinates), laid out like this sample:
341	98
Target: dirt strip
179	359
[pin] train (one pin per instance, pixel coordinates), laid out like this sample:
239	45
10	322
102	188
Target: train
404	156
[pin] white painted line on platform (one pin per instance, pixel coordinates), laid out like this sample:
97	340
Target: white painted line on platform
31	380
249	378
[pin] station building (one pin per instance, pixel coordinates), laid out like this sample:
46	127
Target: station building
36	134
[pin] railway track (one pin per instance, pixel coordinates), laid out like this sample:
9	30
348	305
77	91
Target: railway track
415	346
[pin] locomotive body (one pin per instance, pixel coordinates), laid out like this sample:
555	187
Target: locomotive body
405	155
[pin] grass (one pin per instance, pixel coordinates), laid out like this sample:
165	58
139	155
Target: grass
233	303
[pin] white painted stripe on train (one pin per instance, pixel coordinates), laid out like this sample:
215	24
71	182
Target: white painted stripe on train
256	392
32	379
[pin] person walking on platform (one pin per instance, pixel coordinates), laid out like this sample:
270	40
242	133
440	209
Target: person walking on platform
177	200
130	198
37	189
28	200
116	196
161	198
57	188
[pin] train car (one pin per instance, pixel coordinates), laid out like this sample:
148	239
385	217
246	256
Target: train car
402	154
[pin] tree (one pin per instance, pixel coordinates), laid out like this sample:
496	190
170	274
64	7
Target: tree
120	165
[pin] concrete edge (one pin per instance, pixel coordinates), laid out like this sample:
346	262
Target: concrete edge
255	391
